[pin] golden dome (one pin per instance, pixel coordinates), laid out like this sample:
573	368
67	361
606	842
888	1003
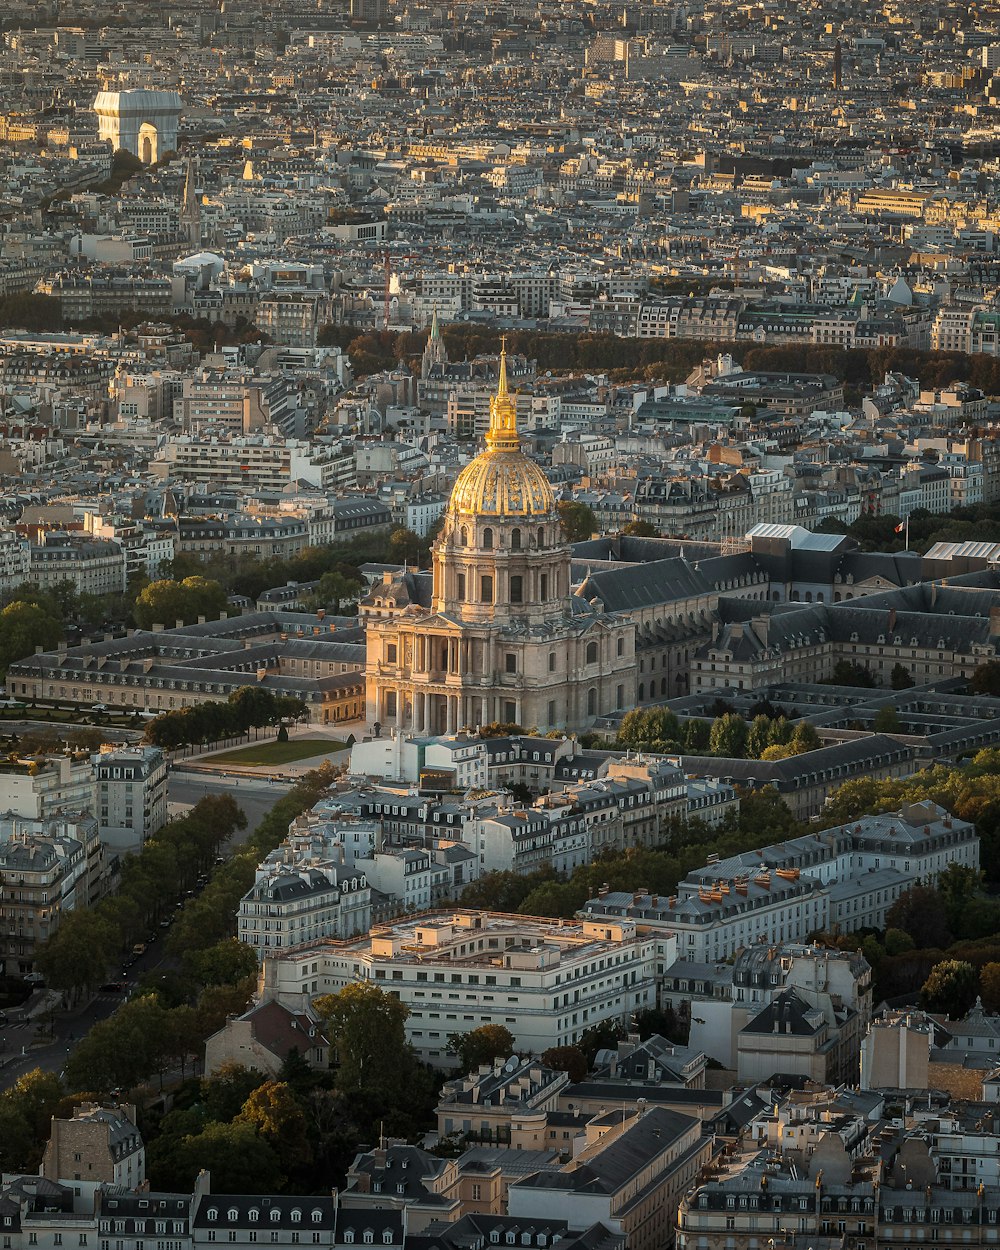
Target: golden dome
502	480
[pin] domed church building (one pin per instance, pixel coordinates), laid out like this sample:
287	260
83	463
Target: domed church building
498	635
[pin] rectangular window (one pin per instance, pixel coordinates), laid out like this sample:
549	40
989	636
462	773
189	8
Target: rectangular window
486	589
510	663
460	582
516	590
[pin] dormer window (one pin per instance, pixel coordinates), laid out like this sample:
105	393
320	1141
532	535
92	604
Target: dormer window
317	1216
296	1216
254	1215
213	1213
232	1214
387	1237
349	1236
275	1215
369	1237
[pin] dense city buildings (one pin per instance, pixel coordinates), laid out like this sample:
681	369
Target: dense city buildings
499	625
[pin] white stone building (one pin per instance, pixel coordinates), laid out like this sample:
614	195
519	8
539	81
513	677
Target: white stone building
547	981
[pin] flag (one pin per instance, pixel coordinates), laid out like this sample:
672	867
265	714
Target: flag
900	527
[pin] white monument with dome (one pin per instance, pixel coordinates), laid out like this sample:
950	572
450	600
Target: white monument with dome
499	635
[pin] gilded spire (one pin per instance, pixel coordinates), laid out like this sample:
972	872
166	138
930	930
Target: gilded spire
502	434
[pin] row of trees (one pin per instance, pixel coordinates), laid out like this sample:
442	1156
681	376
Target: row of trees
663	359
247	575
970	791
249	707
210	916
767	736
87	942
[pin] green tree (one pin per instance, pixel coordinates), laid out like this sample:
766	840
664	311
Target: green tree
886	720
758	737
921	912
847	673
481	1046
959	886
225	1092
569	1059
950	989
274	1112
640	529
577	520
78	954
405	547
804	738
366	1028
334	589
165	602
226	963
697	736
986	679
898	942
989	986
23	628
728	736
900	678
240	1160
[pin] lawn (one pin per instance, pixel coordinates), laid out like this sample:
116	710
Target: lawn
278	752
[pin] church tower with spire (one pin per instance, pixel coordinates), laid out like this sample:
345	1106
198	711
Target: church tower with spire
435	352
190	214
495	632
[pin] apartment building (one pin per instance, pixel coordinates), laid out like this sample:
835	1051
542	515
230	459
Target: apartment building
96	1144
844	879
546	981
295	902
94	566
48	867
131	795
631	1173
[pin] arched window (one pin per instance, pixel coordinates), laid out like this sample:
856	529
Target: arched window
591	702
463	536
591	652
515	540
642	692
541	536
232	1214
663	686
317	1216
296	1216
254	1215
213	1214
488	539
516	590
275	1214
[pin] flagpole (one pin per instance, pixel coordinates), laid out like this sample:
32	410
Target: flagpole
907	548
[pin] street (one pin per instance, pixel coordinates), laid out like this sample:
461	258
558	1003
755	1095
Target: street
256	797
